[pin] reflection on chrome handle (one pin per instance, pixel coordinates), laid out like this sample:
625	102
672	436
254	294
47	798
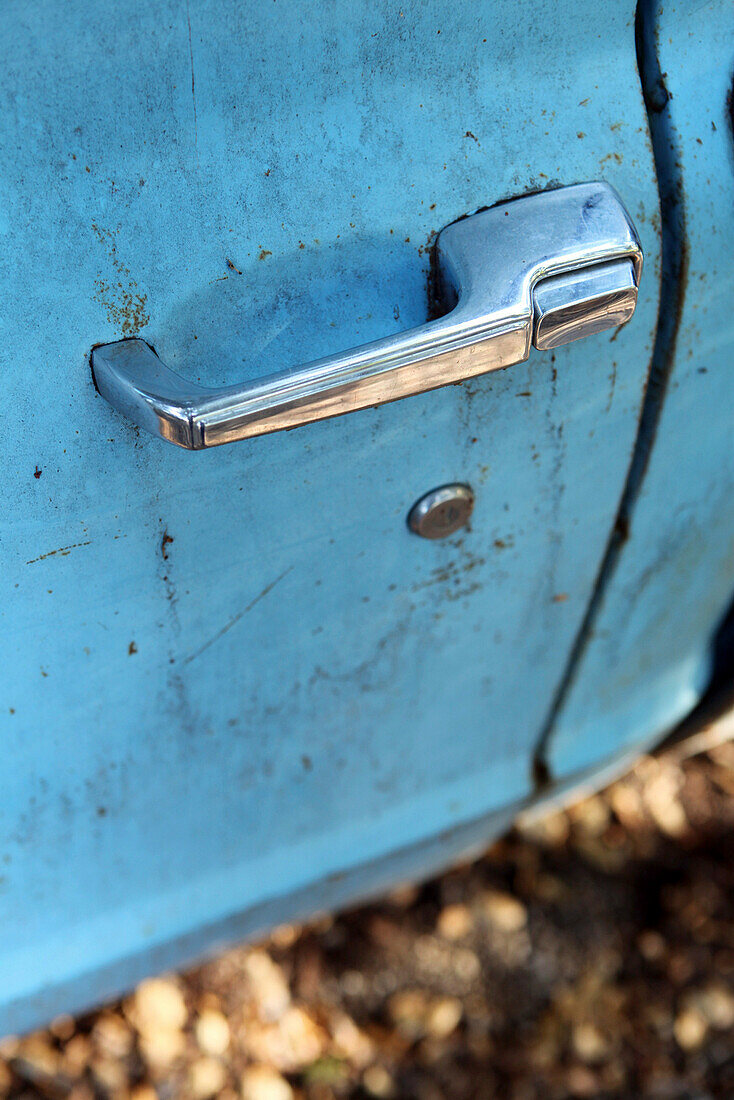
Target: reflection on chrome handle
544	269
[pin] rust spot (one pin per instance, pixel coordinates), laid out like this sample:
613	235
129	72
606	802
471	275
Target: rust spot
165	541
429	242
125	307
561	597
132	648
37	473
455	573
263	253
469	134
232	267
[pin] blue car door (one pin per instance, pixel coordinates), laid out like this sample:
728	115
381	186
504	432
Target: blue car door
236	686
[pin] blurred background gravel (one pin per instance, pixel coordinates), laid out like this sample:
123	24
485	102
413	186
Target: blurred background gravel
590	954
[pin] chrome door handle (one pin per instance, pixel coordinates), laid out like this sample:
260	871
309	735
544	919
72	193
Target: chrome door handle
543	269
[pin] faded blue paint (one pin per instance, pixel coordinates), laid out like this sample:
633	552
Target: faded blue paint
228	676
648	659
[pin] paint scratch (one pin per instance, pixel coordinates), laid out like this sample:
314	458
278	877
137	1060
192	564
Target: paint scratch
62	550
193	83
236	618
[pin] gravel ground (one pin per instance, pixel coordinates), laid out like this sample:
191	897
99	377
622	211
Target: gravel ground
588	955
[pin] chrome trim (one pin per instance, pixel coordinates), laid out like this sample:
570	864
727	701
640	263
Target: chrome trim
582	303
517	273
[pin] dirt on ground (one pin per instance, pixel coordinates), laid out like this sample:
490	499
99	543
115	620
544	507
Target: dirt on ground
589	954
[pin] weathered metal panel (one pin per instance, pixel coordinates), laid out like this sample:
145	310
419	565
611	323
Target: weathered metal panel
228	676
648	659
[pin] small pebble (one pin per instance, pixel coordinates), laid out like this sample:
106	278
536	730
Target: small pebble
689	1029
267	982
212	1032
110	1074
161	1048
715	1004
63	1027
207	1076
378	1082
264	1083
37	1057
589	1044
407	1010
143	1092
112	1035
159	1003
76	1055
661	798
454	922
505	912
350	1042
443	1016
581	1082
651	945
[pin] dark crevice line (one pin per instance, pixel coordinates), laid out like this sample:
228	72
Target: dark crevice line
673	284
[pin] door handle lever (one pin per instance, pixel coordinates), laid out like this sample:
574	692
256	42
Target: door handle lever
544	269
